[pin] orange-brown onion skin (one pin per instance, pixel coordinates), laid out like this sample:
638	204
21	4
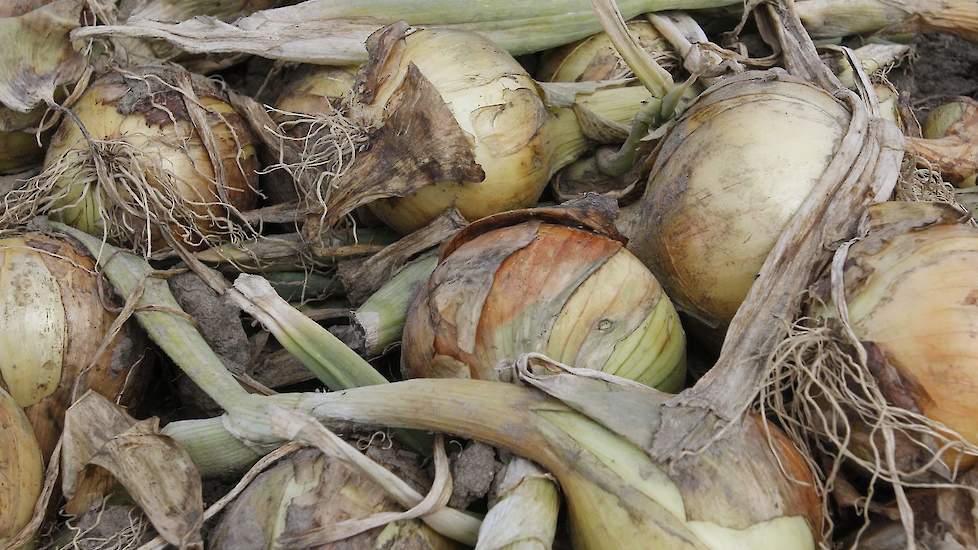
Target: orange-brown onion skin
48	349
727	178
538	287
913	296
117	107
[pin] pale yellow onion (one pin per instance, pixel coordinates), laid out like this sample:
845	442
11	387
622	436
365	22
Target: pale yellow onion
21	469
309	490
911	292
516	140
595	57
519	282
121	108
728	177
52	321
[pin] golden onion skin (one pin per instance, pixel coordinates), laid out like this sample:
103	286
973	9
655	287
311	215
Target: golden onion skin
52	321
595	57
727	179
119	108
21	469
577	296
309	490
495	102
912	294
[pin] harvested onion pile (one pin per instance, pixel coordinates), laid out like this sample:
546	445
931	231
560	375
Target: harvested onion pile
498	275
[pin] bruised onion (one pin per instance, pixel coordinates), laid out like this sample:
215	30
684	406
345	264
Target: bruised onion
21	469
727	178
595	57
308	491
163	167
52	322
536	281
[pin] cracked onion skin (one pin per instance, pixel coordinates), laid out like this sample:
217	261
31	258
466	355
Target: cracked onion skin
522	282
727	178
50	300
21	468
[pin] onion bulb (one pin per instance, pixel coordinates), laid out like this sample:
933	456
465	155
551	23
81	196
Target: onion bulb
308	491
595	57
21	469
162	168
496	115
18	150
534	281
52	322
913	298
727	178
312	87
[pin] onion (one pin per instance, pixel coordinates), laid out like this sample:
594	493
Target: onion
913	301
18	150
21	469
726	180
531	281
309	491
595	57
163	168
52	322
458	123
948	142
311	87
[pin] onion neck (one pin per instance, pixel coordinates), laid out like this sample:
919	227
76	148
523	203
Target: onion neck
615	105
833	18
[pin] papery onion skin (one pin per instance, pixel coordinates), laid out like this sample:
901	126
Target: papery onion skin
21	468
576	296
309	490
157	125
912	294
595	57
727	179
52	321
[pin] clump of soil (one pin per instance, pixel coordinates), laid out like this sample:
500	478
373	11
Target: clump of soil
943	66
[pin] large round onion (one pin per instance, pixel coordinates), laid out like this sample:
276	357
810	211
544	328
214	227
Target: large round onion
308	491
496	103
535	281
912	295
21	469
145	118
52	321
727	178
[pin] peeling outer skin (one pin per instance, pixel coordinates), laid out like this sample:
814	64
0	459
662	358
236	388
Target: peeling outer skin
119	372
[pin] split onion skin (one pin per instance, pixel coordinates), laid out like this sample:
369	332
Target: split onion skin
52	322
726	180
115	107
577	296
